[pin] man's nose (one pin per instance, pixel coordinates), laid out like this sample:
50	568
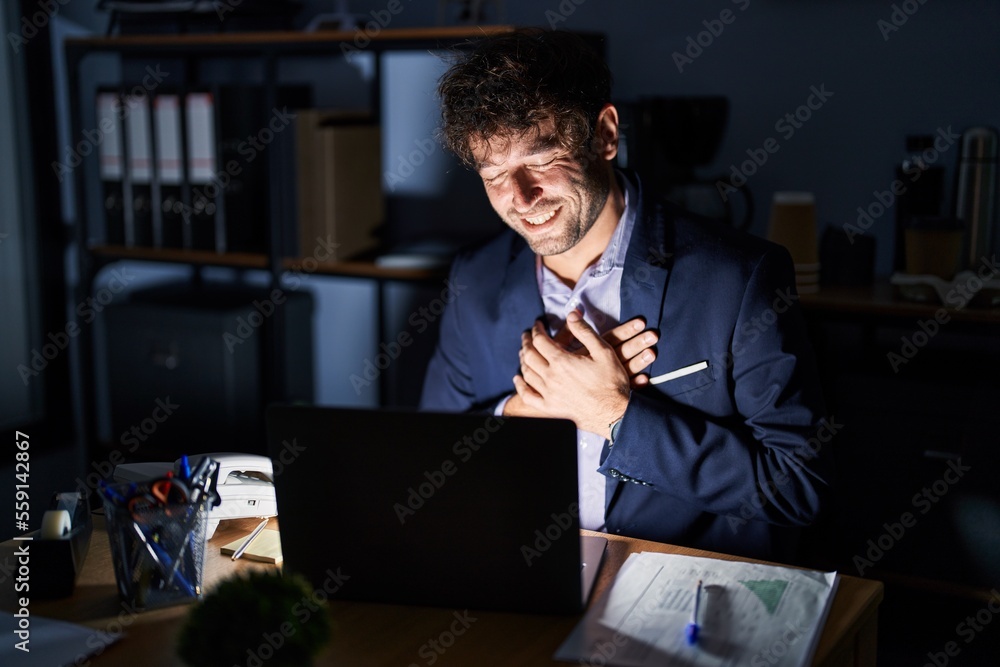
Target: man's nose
526	190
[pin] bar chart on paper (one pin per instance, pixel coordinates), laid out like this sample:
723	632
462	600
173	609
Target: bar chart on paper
748	614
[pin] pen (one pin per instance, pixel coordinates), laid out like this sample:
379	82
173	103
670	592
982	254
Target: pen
162	560
108	492
250	538
679	373
691	632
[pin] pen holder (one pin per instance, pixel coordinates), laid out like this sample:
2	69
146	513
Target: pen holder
158	551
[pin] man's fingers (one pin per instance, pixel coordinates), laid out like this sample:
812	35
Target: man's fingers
583	333
526	391
638	363
543	343
624	331
530	356
637	345
564	338
533	379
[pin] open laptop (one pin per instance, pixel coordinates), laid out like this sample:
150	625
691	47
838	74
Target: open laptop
451	510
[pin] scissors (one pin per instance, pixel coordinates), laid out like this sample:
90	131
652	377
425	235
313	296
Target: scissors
167	492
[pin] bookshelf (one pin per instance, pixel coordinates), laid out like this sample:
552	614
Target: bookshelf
263	53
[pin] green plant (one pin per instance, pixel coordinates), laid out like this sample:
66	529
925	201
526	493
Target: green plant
260	618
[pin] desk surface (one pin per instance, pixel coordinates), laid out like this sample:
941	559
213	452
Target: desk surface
371	634
881	299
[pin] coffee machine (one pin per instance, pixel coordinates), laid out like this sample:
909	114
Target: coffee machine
668	140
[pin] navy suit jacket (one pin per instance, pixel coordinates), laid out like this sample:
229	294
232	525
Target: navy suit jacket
733	458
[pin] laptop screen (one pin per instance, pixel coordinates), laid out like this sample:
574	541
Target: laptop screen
453	510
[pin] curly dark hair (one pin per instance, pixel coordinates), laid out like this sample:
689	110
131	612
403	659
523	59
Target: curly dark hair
513	81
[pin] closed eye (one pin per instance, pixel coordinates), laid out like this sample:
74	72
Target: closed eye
551	160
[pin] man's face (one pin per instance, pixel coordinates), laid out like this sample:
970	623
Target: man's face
546	194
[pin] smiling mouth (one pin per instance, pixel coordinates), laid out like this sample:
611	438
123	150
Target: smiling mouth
541	219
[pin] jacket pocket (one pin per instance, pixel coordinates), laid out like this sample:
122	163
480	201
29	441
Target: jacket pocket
682	384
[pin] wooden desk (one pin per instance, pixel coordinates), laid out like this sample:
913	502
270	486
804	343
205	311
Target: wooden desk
881	301
370	634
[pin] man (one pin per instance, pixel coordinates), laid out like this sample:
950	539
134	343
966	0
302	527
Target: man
674	344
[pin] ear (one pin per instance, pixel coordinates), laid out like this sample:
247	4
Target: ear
606	132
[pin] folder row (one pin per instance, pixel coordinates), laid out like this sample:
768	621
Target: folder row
190	171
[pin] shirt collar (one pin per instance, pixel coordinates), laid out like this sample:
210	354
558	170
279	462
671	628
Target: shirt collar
614	255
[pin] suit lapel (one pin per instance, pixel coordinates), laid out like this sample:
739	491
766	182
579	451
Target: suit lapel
644	284
647	265
519	302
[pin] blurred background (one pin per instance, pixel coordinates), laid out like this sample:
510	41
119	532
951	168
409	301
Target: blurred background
137	332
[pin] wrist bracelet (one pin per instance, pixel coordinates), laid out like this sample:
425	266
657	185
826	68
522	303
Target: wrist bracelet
615	426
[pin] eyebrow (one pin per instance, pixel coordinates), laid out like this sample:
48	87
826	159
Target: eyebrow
542	144
539	145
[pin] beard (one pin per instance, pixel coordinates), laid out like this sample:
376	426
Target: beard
575	216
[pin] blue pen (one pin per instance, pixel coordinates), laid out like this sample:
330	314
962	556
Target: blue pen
185	469
108	492
691	632
163	561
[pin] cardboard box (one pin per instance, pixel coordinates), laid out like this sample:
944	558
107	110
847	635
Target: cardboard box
339	187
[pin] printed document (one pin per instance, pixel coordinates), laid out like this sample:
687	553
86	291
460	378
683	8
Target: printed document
748	614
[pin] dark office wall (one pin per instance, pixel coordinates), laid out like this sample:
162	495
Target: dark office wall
891	73
19	403
937	70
